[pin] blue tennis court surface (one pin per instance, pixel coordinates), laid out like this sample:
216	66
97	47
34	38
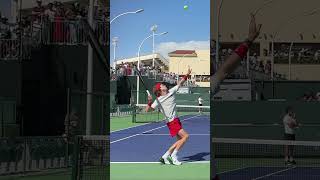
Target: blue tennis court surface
147	143
272	173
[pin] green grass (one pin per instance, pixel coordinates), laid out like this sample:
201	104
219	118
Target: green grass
122	122
118	123
160	172
49	175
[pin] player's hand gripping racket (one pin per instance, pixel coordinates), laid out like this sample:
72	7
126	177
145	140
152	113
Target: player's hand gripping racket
148	92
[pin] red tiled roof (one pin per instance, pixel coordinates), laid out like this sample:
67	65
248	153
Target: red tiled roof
183	52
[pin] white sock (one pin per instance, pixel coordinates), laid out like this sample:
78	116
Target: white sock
174	154
165	156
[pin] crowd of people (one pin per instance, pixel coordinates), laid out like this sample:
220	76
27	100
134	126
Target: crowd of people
168	77
128	69
263	67
59	22
202	79
301	55
52	23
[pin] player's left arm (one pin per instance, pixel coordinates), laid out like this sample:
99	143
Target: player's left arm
184	78
232	62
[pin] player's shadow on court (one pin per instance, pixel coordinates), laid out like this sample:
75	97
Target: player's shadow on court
196	157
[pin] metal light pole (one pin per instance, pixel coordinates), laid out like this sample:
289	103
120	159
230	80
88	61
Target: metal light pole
138	81
114	43
130	12
89	75
153	29
218	33
248	63
290	49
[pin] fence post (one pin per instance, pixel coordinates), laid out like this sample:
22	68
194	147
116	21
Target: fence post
75	156
25	156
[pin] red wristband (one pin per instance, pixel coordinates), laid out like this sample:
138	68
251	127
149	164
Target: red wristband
149	103
185	77
242	50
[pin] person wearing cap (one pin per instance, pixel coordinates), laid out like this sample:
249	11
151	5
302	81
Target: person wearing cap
167	100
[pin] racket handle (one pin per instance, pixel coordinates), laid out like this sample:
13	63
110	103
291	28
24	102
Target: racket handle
148	93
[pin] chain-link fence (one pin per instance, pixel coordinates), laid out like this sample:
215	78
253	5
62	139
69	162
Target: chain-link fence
34	154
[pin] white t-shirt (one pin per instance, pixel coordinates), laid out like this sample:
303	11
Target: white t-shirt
168	103
200	100
286	121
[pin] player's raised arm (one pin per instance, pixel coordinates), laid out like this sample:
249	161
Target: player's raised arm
184	78
234	59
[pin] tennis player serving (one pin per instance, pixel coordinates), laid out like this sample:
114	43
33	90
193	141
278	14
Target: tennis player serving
166	98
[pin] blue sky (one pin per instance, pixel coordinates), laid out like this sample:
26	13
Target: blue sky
188	29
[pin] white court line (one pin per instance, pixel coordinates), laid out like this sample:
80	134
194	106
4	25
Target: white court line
169	134
233	170
186	162
130	127
143	124
273	173
146	131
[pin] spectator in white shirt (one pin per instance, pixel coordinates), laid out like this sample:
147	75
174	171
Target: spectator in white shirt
200	102
290	124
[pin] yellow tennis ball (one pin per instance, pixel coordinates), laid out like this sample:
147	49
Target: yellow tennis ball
185	7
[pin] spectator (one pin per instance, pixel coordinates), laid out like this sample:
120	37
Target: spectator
71	15
5	28
200	102
38	11
72	122
49	12
58	24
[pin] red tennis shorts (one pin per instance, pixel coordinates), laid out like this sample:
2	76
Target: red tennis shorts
174	126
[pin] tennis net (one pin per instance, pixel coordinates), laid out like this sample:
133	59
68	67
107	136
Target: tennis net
257	155
91	160
139	114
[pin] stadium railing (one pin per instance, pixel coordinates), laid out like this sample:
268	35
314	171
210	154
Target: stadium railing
67	32
14	49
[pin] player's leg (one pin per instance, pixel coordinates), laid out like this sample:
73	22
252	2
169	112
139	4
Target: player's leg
182	138
286	154
286	150
291	150
174	145
165	159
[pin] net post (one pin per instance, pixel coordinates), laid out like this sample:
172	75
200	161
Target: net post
76	162
134	113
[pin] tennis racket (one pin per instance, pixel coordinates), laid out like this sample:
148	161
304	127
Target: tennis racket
148	92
